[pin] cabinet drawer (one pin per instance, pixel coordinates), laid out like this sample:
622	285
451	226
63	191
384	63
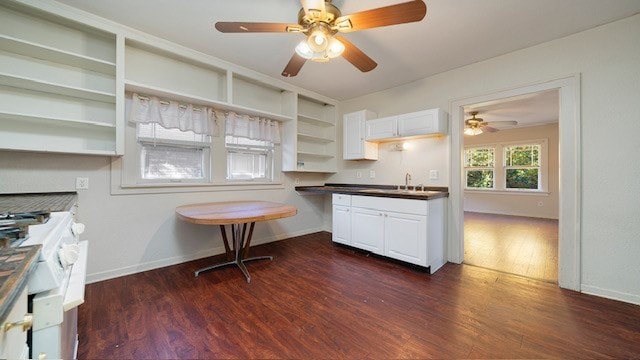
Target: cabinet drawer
406	206
341	199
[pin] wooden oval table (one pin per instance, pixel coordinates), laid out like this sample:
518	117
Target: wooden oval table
237	214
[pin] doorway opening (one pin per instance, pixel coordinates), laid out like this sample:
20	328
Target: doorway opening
569	216
511	192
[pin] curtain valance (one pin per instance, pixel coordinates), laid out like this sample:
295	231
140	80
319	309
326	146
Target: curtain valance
251	127
175	115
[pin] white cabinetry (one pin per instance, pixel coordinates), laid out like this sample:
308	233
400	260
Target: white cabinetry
404	229
382	128
341	227
354	132
424	122
416	124
367	229
13	343
57	84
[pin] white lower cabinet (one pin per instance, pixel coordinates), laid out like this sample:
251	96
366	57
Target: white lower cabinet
404	229
406	237
341	227
367	229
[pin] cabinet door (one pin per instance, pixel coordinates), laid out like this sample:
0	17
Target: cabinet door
419	123
406	237
367	230
354	145
341	224
383	128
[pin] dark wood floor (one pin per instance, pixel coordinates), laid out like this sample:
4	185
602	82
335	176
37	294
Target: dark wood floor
319	300
514	244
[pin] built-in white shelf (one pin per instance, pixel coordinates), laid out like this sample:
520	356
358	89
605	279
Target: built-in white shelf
132	86
315	155
39	51
314	138
10	116
58	89
314	121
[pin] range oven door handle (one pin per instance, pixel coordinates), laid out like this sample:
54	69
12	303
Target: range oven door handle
75	288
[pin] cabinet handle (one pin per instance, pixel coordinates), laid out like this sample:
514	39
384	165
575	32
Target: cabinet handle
26	323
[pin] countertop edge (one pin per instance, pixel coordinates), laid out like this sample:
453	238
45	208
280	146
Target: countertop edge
363	191
13	286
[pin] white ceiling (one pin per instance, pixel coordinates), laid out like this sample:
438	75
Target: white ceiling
528	110
454	33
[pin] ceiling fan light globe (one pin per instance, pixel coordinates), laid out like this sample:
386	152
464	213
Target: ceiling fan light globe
472	131
304	50
335	48
318	41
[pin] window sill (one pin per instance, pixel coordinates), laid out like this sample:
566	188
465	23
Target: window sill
507	192
169	188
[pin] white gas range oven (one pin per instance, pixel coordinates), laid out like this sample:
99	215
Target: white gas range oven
56	286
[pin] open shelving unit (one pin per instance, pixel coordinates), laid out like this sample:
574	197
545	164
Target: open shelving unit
314	138
57	84
65	79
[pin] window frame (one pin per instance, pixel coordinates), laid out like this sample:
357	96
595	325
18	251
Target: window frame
500	168
125	170
253	148
480	168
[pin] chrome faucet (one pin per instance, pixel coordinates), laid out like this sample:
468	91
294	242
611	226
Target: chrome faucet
407	178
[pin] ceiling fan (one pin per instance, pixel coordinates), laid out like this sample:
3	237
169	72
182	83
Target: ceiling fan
320	21
477	126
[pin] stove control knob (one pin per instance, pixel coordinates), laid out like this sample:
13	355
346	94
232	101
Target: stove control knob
77	229
68	254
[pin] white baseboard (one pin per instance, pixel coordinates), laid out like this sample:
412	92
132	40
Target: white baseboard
156	264
611	294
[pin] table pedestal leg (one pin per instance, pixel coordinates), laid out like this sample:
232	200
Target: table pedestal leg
241	245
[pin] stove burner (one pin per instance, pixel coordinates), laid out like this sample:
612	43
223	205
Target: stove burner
14	227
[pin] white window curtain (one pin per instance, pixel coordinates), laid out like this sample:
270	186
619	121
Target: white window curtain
174	115
253	128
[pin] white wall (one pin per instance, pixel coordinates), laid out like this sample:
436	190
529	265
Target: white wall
132	233
608	60
519	205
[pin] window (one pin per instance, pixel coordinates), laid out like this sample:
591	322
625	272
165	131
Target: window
479	167
172	154
523	167
249	159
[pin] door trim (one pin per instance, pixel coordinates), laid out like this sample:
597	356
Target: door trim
569	261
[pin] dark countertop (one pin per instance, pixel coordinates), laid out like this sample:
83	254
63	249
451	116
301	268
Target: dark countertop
45	202
390	191
15	266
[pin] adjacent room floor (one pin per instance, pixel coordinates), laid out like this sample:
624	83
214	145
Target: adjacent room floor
320	300
513	244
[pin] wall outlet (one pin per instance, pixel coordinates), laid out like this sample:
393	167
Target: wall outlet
82	183
296	181
433	174
372	174
359	174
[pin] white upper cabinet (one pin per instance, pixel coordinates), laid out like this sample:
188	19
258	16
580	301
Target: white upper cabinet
354	145
382	128
424	122
416	124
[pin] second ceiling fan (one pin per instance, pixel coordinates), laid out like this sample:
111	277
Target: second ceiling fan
320	21
477	126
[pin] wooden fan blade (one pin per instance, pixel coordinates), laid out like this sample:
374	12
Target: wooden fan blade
486	128
389	15
355	56
314	9
506	122
252	27
294	65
